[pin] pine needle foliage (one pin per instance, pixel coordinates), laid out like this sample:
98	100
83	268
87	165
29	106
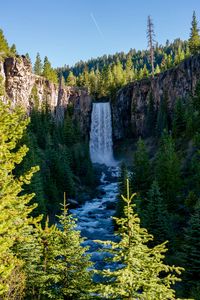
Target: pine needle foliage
141	273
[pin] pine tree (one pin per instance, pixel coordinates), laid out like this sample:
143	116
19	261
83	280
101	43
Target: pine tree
74	280
38	65
129	70
145	72
180	55
194	40
55	263
4	48
157	69
150	37
14	206
13	50
28	57
179	122
192	253
122	189
118	74
141	169
168	171
141	273
157	219
48	72
71	79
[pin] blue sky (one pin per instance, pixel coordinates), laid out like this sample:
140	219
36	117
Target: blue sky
68	31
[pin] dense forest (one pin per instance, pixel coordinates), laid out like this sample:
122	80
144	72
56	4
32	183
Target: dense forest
41	252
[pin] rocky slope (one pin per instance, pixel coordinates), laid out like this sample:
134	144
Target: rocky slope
130	105
25	88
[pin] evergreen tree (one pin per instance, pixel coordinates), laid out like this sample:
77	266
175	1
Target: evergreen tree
14	206
179	122
145	72
122	189
192	253
157	69
28	57
141	273
13	50
118	74
4	48
129	70
157	220
55	263
150	37
141	177
180	55
48	72
74	280
38	65
194	40
168	171
71	79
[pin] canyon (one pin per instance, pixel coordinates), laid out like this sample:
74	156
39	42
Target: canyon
129	106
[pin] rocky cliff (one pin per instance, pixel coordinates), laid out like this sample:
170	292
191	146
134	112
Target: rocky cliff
130	105
129	108
25	88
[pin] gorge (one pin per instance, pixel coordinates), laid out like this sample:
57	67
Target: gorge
129	106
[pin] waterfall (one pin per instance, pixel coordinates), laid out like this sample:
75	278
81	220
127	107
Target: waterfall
101	145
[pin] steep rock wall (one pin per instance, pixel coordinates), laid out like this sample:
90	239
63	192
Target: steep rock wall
130	105
23	87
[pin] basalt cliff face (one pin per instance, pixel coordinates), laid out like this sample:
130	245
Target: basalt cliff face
130	106
25	88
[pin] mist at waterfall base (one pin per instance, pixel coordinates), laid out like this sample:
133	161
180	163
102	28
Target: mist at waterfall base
101	145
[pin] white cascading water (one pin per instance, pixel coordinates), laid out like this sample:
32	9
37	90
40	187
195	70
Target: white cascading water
101	145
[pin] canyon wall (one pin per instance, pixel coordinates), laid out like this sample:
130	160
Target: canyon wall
130	105
25	88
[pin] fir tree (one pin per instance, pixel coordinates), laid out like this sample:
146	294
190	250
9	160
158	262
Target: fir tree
179	56
194	40
141	273
122	189
14	206
157	219
179	122
168	171
192	253
157	69
28	57
141	169
71	79
74	280
48	72
4	48
38	65
129	70
150	37
13	50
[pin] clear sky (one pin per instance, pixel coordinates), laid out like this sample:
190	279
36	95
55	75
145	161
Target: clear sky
71	30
